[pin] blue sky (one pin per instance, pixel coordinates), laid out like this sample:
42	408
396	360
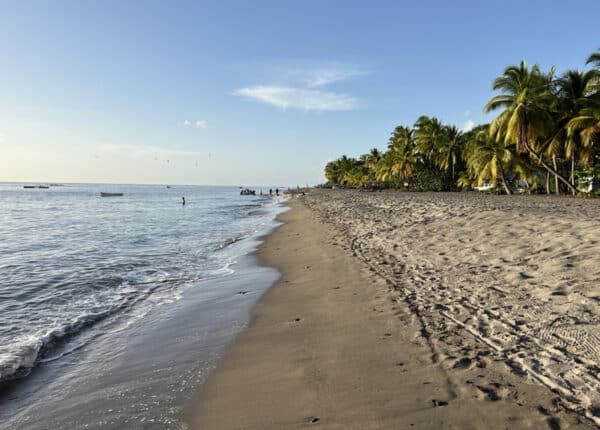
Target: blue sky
261	92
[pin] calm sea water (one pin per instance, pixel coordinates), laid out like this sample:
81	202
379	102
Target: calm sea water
86	278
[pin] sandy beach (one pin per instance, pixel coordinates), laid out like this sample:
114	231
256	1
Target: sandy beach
406	310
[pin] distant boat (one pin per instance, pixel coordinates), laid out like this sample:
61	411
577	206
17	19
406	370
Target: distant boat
168	186
29	186
43	186
102	194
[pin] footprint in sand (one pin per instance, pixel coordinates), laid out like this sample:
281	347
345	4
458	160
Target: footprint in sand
463	363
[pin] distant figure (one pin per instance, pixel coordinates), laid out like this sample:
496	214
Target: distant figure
276	191
183	201
261	192
270	191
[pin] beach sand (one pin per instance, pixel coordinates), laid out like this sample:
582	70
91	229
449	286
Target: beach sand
398	310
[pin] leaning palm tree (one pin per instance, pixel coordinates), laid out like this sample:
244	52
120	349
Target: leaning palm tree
527	102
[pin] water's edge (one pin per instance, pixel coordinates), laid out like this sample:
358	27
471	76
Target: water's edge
147	378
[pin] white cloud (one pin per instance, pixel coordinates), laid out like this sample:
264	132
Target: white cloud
301	86
468	125
299	98
319	77
201	123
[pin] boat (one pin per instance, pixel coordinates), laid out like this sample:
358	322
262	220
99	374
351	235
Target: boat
168	186
44	187
484	187
103	194
28	186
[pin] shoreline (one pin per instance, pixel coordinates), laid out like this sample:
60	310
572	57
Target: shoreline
330	344
140	365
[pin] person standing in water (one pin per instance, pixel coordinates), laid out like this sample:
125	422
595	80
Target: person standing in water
183	201
276	191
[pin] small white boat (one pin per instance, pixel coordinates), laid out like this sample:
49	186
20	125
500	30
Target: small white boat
103	194
485	187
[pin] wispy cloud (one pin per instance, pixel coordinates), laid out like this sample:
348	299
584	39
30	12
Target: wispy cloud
301	86
321	76
299	98
468	126
201	123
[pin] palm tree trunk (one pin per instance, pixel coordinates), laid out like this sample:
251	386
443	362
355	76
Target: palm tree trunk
548	190
571	177
556	188
503	180
508	191
549	169
573	168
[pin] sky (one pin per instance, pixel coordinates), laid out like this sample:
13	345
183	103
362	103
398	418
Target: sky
253	92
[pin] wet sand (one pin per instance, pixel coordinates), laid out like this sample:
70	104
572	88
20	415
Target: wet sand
371	327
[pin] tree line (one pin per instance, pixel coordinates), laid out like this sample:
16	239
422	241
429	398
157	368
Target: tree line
545	137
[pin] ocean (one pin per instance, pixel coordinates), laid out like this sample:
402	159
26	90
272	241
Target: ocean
114	309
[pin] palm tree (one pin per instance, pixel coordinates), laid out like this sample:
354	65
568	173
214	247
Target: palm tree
594	59
526	120
490	160
586	126
336	170
401	136
573	89
448	149
372	158
332	172
429	134
400	161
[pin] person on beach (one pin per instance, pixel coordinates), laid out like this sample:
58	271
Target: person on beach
276	191
270	191
183	201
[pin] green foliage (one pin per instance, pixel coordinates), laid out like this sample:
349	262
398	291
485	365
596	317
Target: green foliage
547	125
